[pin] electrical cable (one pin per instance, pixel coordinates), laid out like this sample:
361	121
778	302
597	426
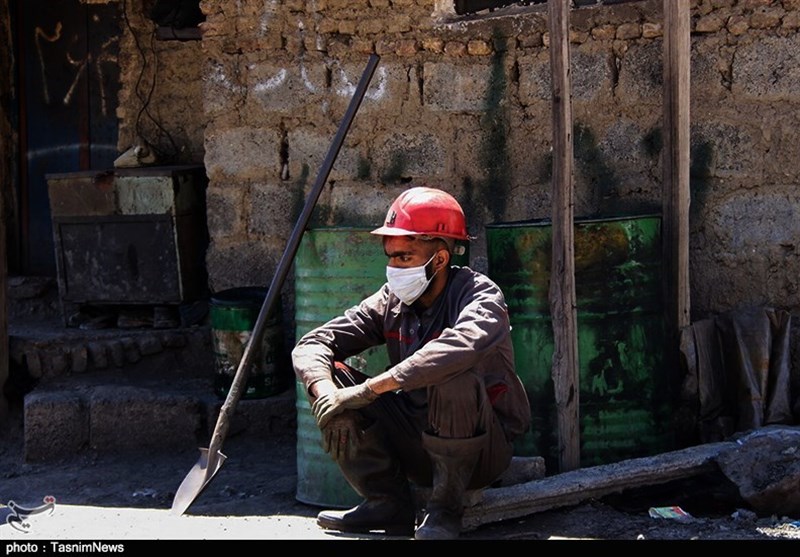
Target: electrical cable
145	101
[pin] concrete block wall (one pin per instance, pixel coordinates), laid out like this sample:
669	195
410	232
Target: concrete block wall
463	104
56	425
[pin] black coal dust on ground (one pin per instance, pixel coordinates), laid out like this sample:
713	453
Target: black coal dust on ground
259	479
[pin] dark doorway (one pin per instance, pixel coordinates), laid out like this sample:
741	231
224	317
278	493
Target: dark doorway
68	76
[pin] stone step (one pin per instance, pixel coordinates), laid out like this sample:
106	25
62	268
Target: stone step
115	390
46	351
104	414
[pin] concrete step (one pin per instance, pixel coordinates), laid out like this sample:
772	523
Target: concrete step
115	390
104	414
45	351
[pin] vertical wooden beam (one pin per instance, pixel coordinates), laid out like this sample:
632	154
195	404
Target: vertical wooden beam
562	276
675	196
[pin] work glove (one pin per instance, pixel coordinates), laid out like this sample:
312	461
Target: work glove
342	434
348	398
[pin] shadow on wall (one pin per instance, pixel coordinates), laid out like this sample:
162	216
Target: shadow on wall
492	192
394	173
702	154
589	161
494	148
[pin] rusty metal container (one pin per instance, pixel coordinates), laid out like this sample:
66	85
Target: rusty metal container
130	236
623	398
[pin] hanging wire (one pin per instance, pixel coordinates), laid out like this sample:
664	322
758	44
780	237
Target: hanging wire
145	101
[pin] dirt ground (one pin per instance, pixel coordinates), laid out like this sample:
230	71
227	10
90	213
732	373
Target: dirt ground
258	479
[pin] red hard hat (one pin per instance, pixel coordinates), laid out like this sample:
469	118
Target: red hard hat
425	211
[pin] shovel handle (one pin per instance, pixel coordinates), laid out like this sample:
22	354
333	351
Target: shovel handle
235	391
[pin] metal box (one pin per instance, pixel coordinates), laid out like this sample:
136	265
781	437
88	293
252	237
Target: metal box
130	236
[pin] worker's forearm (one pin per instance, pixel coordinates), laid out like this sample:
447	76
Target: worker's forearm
383	383
379	384
322	387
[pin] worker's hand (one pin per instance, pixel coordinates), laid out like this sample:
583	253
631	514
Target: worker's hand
330	404
342	434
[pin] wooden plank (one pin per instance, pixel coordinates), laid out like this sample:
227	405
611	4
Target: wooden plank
562	277
675	196
577	486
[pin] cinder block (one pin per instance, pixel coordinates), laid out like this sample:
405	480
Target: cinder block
55	425
117	352
59	362
80	358
98	354
131	350
34	363
132	418
149	345
457	87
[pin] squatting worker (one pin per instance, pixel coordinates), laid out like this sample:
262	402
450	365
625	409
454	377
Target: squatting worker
444	414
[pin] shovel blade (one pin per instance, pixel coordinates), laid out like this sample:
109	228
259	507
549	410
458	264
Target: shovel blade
197	479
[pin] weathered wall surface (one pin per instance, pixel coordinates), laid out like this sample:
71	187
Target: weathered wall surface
161	99
9	148
7	152
464	105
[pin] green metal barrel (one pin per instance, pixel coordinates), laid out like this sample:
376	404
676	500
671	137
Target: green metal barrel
335	269
624	401
233	315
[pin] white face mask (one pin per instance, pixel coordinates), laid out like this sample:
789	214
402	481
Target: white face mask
409	283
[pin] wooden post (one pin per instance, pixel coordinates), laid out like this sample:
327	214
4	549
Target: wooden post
562	277
675	189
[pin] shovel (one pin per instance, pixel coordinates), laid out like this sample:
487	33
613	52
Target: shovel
212	459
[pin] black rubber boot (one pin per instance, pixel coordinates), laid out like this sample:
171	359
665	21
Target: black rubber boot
453	463
377	477
373	515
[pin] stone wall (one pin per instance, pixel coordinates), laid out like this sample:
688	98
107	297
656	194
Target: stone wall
463	104
161	98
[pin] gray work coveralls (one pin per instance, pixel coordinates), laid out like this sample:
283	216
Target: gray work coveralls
454	363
